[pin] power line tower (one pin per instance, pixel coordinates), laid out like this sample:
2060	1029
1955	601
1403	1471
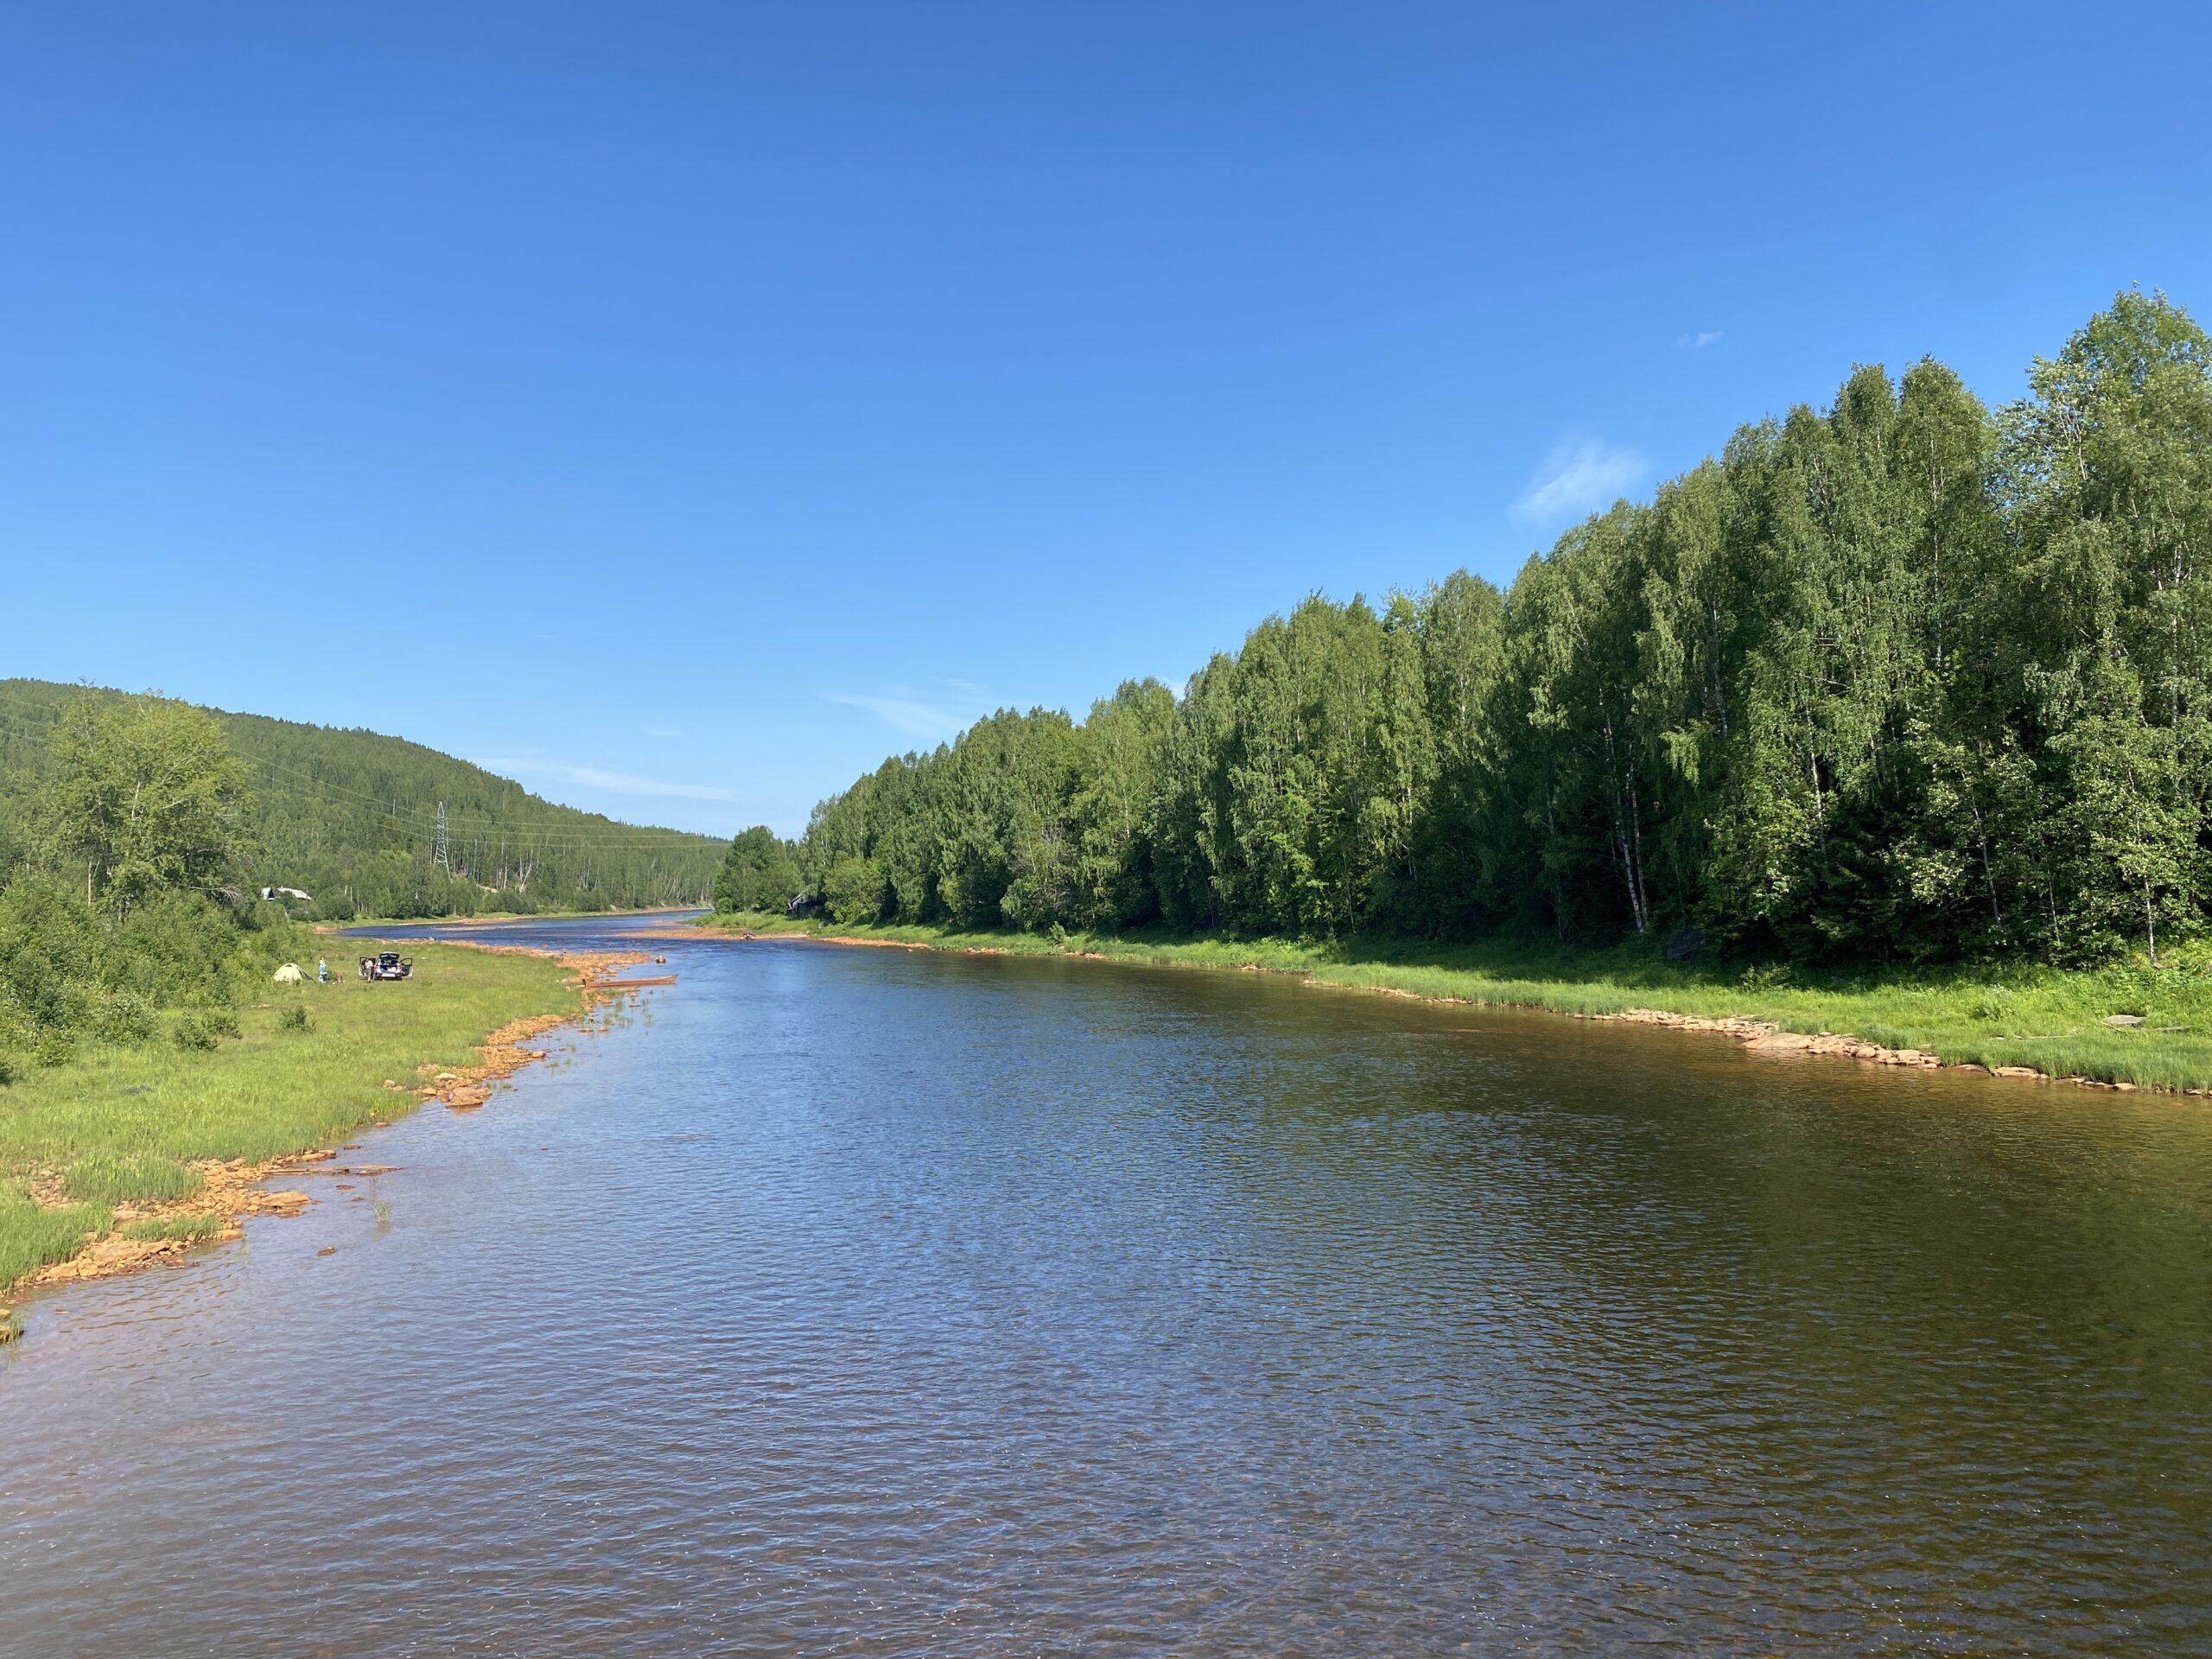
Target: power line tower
438	855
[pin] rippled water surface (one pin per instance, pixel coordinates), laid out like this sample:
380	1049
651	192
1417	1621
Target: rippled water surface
850	1302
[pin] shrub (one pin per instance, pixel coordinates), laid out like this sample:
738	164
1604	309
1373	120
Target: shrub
193	1034
54	1047
853	891
295	1018
125	1017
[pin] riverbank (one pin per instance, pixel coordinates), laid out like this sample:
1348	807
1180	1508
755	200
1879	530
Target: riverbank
128	1155
497	919
2128	1025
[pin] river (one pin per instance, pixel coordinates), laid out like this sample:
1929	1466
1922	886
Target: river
856	1301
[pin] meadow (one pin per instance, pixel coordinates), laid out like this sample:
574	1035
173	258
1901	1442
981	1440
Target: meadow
123	1125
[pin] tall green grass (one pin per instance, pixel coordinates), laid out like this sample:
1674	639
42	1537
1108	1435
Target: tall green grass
32	1234
128	1178
123	1124
2049	1018
162	1227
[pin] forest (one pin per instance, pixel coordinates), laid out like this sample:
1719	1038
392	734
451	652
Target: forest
1905	679
137	832
375	826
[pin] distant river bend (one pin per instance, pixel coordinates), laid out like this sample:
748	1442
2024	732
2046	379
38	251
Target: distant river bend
842	1301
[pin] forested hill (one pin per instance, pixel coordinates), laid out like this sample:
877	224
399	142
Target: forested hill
351	817
1902	678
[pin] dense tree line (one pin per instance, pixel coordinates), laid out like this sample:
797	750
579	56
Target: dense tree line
120	888
1899	679
353	818
137	832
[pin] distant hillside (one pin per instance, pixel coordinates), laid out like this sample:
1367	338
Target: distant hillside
351	818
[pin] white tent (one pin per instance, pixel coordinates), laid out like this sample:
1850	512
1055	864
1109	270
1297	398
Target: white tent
288	974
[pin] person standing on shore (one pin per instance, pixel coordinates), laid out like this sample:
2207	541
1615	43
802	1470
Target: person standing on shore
322	970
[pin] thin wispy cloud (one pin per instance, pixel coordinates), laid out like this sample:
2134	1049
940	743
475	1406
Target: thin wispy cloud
935	712
1698	342
1580	475
917	715
618	783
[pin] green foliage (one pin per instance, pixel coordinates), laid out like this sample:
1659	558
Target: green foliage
134	831
294	1017
351	817
145	794
124	1016
759	872
195	1033
1893	681
853	890
1994	1004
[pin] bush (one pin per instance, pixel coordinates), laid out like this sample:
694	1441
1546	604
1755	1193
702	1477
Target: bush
758	873
125	1017
853	891
50	947
179	948
295	1018
54	1047
193	1034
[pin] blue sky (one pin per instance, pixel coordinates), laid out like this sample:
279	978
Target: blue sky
678	408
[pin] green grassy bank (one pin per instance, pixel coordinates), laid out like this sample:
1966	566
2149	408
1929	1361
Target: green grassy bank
2049	1018
125	1124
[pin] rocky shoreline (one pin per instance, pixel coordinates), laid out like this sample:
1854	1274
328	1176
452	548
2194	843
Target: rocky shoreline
1768	1038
